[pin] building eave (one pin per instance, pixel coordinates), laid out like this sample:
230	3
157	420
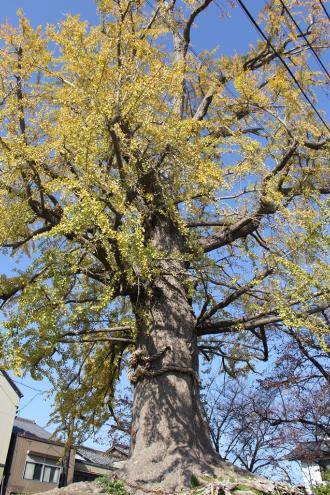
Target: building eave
12	383
41	440
94	464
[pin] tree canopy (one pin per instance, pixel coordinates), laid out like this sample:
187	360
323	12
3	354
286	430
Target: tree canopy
126	159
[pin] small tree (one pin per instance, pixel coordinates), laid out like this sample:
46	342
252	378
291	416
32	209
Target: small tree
162	202
240	432
300	378
256	422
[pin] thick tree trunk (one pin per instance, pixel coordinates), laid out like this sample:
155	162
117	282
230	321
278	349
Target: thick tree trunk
170	438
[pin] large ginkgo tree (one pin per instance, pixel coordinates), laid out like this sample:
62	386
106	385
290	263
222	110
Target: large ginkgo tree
160	204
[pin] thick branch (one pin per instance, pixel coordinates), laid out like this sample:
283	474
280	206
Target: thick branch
17	244
5	295
190	21
233	326
304	351
204	106
123	328
250	224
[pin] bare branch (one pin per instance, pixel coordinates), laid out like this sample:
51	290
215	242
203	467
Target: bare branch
150	23
17	244
250	224
105	339
204	106
246	323
235	295
190	21
307	354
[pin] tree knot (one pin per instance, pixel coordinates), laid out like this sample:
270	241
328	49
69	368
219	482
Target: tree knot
140	362
140	365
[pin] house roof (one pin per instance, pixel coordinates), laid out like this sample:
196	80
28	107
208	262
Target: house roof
12	383
118	450
29	428
94	456
308	451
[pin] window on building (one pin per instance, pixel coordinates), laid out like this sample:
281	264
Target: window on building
42	469
33	471
51	474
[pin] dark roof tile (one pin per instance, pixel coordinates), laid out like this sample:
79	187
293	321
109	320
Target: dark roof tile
94	456
23	426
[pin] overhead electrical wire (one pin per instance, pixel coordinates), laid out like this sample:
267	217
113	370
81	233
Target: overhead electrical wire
28	386
28	403
325	10
254	22
308	99
305	38
39	392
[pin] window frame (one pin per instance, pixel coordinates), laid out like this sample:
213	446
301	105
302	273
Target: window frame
43	462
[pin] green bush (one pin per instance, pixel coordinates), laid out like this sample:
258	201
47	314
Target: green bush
323	489
113	487
194	481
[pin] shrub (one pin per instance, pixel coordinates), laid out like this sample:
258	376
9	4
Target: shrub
113	487
323	489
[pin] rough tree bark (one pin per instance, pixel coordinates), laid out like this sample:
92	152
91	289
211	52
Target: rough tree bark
170	437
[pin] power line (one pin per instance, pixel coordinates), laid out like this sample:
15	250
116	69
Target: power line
254	22
39	392
305	38
325	10
28	403
28	386
268	42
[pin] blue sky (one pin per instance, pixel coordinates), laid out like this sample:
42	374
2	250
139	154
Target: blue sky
230	34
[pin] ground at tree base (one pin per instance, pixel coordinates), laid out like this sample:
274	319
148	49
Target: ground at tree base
230	481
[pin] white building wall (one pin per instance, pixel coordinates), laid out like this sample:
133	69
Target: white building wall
311	474
9	401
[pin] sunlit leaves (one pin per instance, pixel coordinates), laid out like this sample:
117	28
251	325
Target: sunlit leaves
104	131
